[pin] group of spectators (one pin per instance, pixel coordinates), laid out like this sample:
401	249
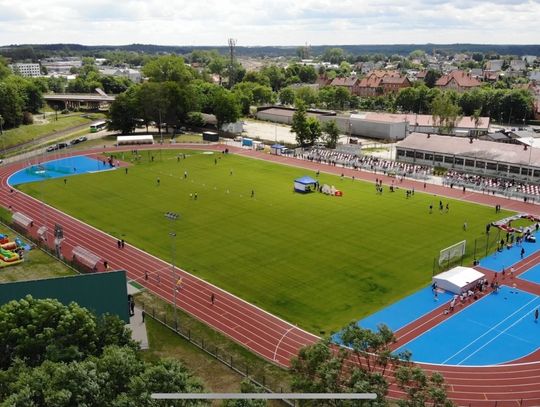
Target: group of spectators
490	184
365	162
452	178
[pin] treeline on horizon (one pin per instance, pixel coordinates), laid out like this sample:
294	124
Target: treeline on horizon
39	51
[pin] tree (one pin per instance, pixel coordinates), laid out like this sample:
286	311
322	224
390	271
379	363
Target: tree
226	108
57	84
314	131
331	133
166	376
334	55
407	99
257	77
431	77
417	54
275	75
307	74
35	330
115	378
286	96
445	112
115	84
63	355
123	112
4	70
342	96
217	66
306	95
299	125
421	389
364	364
11	104
168	68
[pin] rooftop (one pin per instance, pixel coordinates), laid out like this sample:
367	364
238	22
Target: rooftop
488	150
425	120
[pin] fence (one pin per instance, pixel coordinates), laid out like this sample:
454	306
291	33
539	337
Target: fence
510	193
240	367
476	249
42	245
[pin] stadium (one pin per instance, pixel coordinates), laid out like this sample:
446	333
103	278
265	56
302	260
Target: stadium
292	282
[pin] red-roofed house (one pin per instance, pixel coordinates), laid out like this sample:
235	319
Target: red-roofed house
392	84
323	80
350	82
457	80
380	82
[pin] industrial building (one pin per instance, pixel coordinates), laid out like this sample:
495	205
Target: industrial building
383	126
27	70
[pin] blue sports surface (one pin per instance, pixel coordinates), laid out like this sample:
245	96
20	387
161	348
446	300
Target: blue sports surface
497	328
60	168
404	311
532	275
507	257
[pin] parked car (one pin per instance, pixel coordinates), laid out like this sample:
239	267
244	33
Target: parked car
78	140
58	146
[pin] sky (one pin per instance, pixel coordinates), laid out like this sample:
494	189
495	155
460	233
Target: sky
269	22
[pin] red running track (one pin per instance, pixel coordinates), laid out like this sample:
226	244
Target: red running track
268	336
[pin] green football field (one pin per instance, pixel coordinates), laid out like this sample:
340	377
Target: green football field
315	260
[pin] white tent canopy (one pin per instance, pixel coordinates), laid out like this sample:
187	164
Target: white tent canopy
458	279
148	139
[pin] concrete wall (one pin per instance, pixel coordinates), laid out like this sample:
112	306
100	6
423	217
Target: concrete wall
262	115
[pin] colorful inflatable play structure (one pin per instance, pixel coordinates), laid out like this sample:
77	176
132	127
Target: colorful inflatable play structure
11	251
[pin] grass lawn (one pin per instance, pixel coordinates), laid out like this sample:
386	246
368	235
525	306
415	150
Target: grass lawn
315	260
216	376
23	134
37	265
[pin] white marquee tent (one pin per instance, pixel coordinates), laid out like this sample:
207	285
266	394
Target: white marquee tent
146	139
458	279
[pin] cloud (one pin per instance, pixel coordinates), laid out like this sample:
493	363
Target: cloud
260	22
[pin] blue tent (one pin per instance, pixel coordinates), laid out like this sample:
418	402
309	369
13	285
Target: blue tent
305	184
277	149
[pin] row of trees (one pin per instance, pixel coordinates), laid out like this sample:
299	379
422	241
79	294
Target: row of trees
310	131
175	90
505	105
57	355
368	365
53	354
21	97
18	96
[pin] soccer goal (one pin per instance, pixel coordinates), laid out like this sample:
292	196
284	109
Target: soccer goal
452	253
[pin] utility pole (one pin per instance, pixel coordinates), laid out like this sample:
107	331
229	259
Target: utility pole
173	216
232	46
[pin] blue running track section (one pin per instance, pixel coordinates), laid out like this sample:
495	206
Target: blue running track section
497	328
61	168
507	257
404	312
532	275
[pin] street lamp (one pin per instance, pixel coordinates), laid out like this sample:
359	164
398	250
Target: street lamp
173	216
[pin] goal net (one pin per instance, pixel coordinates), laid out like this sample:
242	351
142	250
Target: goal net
453	252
